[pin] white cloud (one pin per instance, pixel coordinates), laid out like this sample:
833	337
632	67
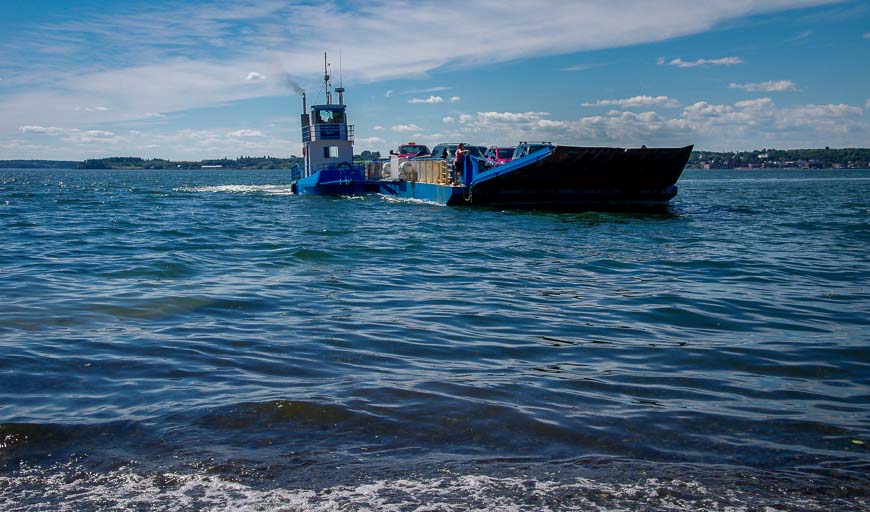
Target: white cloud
756	104
637	101
368	143
91	109
749	124
254	76
454	99
434	42
377	128
724	61
70	134
151	115
759	122
245	133
177	144
769	86
406	128
809	114
615	128
581	67
13	148
90	136
509	117
430	99
223	38
428	90
464	118
702	108
450	120
388	93
50	130
129	92
100	134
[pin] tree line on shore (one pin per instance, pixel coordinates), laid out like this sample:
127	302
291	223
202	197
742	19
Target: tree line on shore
854	158
858	158
131	162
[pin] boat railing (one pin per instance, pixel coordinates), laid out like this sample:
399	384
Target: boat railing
327	132
344	166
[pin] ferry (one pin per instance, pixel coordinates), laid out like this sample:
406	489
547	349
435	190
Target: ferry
543	176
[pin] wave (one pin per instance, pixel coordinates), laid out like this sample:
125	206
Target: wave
239	189
71	487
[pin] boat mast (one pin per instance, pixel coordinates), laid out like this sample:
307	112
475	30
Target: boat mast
326	80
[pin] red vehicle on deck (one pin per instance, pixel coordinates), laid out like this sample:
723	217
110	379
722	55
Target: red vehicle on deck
411	150
498	155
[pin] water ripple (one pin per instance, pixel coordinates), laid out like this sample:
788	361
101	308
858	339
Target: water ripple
209	322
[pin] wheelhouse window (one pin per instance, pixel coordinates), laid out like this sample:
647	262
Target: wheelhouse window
330	152
329	116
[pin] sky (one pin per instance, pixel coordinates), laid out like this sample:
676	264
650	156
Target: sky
192	80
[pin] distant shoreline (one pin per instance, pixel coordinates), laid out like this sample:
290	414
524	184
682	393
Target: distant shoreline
828	158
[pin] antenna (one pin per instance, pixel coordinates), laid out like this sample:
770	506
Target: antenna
326	80
340	89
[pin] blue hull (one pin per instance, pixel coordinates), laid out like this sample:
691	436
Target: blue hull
335	182
423	192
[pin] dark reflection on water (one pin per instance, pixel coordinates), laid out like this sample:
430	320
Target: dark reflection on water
206	340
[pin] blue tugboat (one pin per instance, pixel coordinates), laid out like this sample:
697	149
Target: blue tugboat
544	176
327	141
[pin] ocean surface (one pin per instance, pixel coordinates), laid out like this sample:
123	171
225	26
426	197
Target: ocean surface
207	340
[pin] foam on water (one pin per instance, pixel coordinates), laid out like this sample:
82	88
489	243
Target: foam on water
393	199
72	488
238	189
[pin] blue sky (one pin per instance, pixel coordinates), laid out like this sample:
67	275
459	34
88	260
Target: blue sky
208	79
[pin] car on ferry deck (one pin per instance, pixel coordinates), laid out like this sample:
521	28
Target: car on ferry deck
498	155
411	150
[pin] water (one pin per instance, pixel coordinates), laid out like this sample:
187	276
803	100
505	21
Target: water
205	340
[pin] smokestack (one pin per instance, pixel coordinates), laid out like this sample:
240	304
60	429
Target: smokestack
340	91
306	120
